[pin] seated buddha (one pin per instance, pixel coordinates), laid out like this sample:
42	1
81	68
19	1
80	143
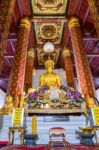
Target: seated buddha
50	78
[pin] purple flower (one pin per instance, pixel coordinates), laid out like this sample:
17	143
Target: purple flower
68	94
77	95
33	95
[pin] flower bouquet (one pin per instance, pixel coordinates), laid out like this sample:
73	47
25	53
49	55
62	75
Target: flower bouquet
73	97
33	100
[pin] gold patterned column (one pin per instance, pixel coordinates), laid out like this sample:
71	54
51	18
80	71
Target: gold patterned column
6	11
29	69
68	67
16	82
94	9
82	66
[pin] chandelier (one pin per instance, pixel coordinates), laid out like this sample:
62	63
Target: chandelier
48	47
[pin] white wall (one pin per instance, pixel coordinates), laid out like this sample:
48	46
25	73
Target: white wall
2	98
97	94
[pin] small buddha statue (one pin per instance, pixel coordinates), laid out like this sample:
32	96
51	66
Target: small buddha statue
8	104
50	78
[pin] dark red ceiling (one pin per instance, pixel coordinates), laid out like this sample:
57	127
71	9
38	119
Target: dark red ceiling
78	8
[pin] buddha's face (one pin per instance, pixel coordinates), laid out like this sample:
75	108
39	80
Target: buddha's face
49	66
50	70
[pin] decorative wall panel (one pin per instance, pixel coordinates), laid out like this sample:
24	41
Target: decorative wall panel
42	56
49	7
48	31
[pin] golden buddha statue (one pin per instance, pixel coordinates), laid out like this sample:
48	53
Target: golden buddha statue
50	78
8	107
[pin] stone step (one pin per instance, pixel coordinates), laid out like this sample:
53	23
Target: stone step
43	126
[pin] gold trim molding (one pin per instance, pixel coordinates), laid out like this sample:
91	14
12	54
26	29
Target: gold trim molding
25	22
73	22
30	53
66	52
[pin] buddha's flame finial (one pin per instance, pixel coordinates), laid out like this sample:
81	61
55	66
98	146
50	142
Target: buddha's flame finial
49	62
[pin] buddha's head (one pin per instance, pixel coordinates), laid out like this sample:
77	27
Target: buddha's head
49	65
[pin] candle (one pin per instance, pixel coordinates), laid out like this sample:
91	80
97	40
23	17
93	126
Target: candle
41	106
47	106
34	124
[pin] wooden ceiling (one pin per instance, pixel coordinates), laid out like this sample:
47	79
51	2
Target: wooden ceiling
45	16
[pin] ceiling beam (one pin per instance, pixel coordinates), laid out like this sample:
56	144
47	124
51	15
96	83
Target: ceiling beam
12	34
25	6
79	6
86	15
12	39
12	46
48	20
95	49
4	78
20	7
92	55
85	38
90	39
14	17
88	55
86	44
8	61
8	56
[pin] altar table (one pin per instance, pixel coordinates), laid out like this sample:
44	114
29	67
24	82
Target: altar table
31	112
11	132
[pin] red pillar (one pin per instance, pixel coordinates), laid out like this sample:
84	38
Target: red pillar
6	11
29	69
16	82
82	66
68	67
